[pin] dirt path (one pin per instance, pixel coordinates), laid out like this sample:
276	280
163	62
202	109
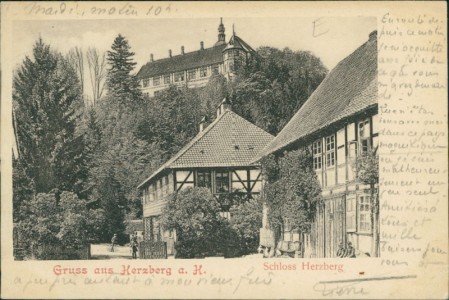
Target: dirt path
102	251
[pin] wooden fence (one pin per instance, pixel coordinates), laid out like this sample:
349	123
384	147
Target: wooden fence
57	252
153	250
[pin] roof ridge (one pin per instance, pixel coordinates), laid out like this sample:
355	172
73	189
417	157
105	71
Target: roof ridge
333	99
186	53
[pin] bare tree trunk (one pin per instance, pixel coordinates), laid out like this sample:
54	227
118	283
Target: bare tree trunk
97	72
76	58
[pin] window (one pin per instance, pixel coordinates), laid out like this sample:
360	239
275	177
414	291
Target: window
236	52
203	179
146	82
317	158
179	76
350	213
145	195
221	182
364	136
364	214
191	74
156	80
341	156
203	72
231	66
159	189
152	193
215	69
330	151
167	185
167	79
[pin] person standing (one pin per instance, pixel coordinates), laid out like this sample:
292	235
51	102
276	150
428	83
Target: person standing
134	244
113	242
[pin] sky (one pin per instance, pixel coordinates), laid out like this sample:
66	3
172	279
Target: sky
331	39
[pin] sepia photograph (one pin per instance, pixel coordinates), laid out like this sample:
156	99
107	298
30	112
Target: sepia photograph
221	149
229	150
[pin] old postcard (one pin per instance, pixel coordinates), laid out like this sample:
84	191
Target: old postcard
231	150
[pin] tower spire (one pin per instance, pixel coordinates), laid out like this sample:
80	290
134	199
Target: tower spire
221	34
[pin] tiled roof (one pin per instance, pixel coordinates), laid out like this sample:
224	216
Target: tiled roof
349	88
227	142
190	60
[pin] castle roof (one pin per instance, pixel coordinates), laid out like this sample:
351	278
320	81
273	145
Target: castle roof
182	62
237	43
229	141
350	88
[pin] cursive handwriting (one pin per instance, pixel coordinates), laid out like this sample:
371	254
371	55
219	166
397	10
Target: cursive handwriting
339	289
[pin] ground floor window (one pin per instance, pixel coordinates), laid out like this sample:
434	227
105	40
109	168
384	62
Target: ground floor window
364	209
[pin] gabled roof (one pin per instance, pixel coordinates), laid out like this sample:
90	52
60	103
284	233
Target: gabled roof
351	87
229	141
190	60
237	43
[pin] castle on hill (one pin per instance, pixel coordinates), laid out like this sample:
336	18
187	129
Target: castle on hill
194	69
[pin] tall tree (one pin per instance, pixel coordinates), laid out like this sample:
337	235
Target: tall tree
47	102
97	72
274	85
120	81
170	120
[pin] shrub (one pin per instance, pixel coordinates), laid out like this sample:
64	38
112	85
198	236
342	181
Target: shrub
58	219
246	222
195	215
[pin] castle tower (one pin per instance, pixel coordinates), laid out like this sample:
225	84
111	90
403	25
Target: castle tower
221	34
232	55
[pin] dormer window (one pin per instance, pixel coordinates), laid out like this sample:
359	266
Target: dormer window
167	79
146	82
179	76
156	80
215	70
191	74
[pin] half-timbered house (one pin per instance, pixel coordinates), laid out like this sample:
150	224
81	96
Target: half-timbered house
218	158
338	123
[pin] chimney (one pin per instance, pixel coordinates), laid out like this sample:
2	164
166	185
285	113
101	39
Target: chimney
202	45
225	105
373	36
169	53
151	57
182	50
203	121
